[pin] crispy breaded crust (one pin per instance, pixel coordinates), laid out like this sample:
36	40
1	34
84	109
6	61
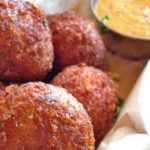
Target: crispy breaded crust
95	90
76	40
26	51
38	116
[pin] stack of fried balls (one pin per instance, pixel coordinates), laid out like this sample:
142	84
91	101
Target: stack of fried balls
71	111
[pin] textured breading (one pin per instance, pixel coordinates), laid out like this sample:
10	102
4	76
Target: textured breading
39	116
95	90
26	51
76	40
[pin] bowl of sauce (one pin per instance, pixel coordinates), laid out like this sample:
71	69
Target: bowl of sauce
129	25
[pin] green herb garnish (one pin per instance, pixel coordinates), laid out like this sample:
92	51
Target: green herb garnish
45	24
103	23
118	107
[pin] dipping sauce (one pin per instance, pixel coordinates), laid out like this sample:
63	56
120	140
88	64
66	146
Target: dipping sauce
129	17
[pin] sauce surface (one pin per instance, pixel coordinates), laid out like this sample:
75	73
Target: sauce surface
129	17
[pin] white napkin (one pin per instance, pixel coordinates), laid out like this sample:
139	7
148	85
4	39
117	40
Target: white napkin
132	129
55	6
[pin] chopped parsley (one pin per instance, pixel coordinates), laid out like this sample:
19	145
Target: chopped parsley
45	24
119	107
103	23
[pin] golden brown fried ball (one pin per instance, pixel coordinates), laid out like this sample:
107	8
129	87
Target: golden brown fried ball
26	51
75	40
95	90
38	116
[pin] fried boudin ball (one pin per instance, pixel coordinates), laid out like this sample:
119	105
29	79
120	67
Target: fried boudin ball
75	40
95	90
26	51
38	116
